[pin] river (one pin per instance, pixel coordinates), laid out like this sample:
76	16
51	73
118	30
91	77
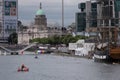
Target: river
51	67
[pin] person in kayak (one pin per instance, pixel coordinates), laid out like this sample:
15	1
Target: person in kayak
23	67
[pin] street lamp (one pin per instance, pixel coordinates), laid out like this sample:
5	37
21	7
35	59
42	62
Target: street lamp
62	13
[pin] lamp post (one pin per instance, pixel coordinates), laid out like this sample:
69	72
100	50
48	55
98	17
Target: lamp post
62	13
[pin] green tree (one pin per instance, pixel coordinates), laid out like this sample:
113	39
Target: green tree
13	38
55	40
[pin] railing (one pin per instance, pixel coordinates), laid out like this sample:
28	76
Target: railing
5	49
18	51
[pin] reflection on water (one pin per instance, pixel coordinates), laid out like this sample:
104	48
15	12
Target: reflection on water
50	67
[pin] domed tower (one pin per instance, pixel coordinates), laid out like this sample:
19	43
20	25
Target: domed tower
40	19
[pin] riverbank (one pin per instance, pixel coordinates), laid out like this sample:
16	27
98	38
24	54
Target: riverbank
57	53
70	55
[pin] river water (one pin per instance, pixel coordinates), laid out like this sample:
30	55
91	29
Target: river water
51	67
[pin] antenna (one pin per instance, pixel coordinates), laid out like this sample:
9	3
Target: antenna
40	5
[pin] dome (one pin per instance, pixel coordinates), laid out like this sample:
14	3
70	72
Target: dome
40	12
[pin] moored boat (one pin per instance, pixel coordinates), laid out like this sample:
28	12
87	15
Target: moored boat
109	52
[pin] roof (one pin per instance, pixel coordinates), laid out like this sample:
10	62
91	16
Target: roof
40	12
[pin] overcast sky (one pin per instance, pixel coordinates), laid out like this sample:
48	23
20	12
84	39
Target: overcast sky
52	9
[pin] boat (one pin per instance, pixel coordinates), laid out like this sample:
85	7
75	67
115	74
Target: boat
108	32
23	68
43	50
108	49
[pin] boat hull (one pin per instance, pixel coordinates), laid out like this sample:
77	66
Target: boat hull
107	56
115	53
102	56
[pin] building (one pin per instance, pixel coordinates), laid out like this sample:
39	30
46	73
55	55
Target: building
80	21
97	13
108	12
9	17
39	29
40	19
87	17
117	9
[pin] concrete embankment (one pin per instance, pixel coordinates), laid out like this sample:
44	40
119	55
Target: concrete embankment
69	55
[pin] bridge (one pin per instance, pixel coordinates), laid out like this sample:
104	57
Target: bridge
6	51
29	46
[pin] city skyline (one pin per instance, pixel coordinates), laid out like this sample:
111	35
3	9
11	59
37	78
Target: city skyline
53	10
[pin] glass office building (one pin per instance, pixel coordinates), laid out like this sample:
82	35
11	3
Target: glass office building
117	8
86	16
93	15
80	21
97	13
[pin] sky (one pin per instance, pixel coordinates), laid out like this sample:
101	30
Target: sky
52	8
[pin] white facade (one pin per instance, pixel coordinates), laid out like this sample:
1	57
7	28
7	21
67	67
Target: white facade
81	48
83	51
72	46
34	32
23	38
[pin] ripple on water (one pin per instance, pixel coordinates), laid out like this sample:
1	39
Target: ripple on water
50	67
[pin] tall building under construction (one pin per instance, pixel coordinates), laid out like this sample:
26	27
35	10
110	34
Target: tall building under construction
98	13
108	12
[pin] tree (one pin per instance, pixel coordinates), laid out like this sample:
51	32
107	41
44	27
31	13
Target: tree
13	38
55	40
